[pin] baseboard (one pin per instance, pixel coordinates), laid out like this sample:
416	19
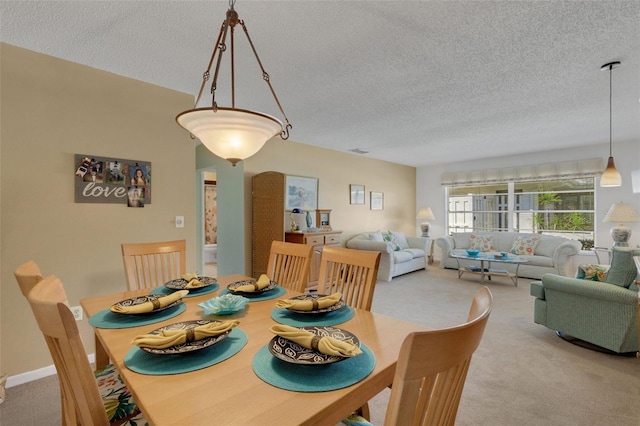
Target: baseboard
40	373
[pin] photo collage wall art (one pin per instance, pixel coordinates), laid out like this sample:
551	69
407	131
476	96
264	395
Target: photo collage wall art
112	180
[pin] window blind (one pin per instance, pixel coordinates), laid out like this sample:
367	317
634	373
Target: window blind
566	169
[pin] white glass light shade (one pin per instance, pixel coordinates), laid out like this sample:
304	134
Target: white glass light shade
233	134
610	177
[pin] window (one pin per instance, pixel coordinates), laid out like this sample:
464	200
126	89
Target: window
563	207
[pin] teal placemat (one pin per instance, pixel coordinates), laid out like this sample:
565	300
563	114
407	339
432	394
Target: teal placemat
107	319
145	363
192	293
313	378
285	316
272	294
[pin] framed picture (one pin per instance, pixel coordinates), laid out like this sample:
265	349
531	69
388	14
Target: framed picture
301	193
323	219
357	194
377	200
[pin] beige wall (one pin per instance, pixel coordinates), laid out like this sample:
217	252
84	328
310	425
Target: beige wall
51	110
335	171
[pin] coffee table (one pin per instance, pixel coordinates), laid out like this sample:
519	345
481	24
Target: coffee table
488	258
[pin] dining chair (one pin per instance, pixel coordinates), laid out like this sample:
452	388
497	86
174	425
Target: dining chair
432	368
91	398
28	275
350	272
148	265
289	264
354	274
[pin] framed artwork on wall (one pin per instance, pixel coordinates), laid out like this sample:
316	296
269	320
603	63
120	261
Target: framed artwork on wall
357	194
301	193
377	200
323	219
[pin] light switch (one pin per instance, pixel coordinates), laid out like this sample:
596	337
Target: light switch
179	221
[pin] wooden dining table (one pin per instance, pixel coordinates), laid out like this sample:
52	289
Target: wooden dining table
230	393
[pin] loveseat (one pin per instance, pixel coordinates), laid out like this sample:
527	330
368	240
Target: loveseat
399	253
602	313
549	254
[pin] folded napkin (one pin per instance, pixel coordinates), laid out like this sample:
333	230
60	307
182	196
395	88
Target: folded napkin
192	281
262	282
326	345
309	304
150	306
168	338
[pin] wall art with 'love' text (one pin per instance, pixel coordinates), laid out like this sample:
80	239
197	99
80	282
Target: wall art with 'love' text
112	180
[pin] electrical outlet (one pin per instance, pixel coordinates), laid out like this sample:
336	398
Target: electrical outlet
179	221
77	312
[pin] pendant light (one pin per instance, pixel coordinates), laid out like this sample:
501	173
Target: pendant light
232	133
610	177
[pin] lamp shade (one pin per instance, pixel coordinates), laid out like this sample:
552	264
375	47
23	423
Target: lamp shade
233	134
619	213
425	213
610	177
622	212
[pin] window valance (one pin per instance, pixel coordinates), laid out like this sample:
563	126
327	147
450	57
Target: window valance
566	169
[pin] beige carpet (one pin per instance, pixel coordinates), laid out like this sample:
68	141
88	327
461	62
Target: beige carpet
522	373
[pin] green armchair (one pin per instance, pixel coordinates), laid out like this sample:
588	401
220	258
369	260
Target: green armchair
601	313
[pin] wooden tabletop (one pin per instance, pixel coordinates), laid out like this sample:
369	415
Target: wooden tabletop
229	393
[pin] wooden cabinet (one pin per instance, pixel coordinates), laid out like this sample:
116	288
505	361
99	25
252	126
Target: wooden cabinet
267	223
319	240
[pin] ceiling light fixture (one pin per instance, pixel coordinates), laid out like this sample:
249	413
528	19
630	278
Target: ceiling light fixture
232	133
610	177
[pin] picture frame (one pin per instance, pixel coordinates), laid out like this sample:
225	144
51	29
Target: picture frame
301	193
377	200
323	219
356	193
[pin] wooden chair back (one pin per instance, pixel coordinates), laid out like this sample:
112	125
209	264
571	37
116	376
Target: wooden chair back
432	368
289	264
48	301
28	275
351	272
148	265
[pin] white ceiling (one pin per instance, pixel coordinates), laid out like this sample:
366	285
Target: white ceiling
412	82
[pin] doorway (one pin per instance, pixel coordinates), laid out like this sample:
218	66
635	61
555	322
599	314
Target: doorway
210	248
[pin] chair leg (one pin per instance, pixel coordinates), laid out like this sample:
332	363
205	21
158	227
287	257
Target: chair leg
102	359
364	411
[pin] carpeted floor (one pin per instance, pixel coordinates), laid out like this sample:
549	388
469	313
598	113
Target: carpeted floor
522	373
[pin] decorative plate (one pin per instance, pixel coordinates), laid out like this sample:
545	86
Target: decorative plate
134	301
289	351
312	296
181	283
224	305
237	284
186	347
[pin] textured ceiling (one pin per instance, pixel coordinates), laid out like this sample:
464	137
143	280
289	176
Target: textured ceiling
416	83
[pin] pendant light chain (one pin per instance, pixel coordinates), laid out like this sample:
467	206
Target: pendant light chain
610	108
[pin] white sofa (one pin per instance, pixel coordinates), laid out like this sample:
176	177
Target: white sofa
551	255
411	257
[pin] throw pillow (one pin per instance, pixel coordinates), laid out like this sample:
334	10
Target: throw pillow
524	245
481	242
592	272
401	239
391	241
623	269
376	236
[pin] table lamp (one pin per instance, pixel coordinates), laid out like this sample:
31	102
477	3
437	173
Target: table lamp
425	214
620	213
